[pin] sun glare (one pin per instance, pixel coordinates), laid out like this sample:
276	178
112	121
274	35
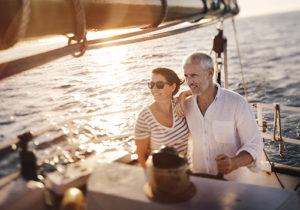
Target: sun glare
107	33
90	35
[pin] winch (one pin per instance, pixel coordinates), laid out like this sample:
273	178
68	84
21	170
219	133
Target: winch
169	179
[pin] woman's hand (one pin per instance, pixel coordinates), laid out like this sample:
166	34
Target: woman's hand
142	148
179	103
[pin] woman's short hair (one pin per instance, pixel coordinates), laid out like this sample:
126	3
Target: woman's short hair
170	76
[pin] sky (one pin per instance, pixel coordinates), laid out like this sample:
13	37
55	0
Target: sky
261	7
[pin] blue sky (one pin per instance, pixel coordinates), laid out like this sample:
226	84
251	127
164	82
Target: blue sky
260	7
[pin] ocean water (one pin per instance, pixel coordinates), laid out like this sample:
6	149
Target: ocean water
110	79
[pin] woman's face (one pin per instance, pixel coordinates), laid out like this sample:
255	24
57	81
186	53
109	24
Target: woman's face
164	93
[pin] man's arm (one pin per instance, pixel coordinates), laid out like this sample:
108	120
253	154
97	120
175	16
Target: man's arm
226	164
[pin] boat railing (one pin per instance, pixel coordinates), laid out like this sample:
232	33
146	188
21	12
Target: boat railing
68	123
73	143
259	108
267	135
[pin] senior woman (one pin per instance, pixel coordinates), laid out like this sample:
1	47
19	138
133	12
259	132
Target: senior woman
158	124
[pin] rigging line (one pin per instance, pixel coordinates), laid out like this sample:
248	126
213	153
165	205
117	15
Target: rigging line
272	166
154	36
148	30
19	65
239	56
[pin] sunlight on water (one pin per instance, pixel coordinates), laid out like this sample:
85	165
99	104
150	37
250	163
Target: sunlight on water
114	78
95	134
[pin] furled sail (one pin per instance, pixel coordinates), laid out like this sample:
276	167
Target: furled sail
33	18
21	19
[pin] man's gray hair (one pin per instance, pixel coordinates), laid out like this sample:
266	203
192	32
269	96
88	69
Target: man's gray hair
204	60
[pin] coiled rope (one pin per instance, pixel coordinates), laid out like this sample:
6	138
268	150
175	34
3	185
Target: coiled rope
277	125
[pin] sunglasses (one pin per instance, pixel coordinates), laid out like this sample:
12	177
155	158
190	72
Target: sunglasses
159	84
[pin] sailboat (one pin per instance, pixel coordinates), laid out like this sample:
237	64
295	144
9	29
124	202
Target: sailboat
81	165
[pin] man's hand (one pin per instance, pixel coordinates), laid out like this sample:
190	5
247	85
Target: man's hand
225	164
179	103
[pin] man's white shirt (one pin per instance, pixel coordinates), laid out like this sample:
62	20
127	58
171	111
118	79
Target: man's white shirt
228	127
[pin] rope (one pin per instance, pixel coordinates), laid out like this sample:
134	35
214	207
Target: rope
148	30
80	27
225	67
154	36
163	14
277	124
19	65
239	56
272	166
18	26
220	47
80	23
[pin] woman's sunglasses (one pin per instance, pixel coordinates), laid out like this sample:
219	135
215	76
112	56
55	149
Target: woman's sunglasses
159	84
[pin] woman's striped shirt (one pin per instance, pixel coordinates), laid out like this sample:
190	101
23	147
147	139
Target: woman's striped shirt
176	136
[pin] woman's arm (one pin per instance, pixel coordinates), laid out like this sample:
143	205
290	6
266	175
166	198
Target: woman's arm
179	104
142	147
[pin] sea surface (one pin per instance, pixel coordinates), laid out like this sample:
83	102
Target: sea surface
115	78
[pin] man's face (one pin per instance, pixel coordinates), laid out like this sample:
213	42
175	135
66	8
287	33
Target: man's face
196	78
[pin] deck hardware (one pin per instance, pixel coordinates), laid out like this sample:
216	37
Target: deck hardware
265	126
27	158
219	47
83	46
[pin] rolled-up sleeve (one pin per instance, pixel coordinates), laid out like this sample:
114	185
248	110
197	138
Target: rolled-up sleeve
250	137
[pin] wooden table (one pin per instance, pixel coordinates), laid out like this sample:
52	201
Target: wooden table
121	186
